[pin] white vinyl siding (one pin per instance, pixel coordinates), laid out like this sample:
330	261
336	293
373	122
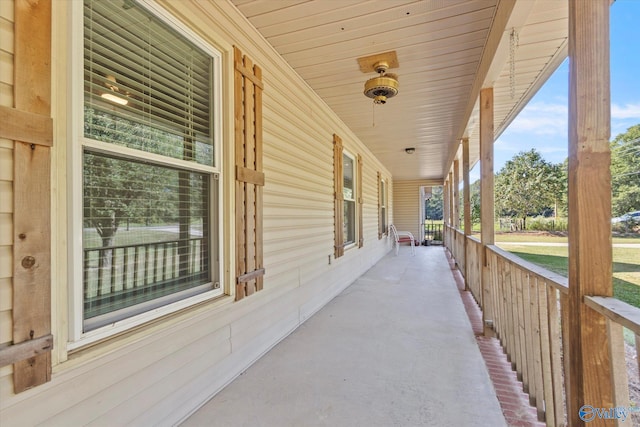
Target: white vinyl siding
384	223
160	373
407	206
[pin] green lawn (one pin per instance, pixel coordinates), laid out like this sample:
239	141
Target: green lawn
135	235
626	266
545	237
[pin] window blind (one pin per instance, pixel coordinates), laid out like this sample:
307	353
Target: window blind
143	79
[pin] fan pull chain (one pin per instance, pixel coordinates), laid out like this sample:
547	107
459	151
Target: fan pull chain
373	114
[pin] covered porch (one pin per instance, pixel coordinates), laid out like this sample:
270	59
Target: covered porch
307	187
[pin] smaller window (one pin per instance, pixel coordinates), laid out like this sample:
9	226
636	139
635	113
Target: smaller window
383	206
349	196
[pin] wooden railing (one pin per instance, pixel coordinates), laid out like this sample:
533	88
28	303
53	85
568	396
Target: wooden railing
114	274
449	233
433	233
529	314
619	314
459	251
529	307
473	272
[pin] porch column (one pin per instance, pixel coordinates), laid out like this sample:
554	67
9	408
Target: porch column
445	213
486	198
466	190
456	194
590	253
451	221
466	195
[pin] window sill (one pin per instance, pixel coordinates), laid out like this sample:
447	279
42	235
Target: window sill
109	340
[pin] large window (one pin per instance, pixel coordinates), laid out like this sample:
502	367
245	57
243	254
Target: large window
349	195
149	166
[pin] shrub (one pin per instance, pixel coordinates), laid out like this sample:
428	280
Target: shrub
540	223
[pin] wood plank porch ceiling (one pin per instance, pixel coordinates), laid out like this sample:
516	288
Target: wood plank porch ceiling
441	47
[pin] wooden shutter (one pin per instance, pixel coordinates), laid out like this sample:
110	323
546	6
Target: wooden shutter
29	124
338	197
380	201
359	200
249	175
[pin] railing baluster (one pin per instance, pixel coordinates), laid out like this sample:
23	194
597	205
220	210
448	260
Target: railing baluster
192	258
497	295
536	374
174	253
145	282
155	263
100	270
164	261
512	321
125	269
566	350
86	273
528	336
113	270
618	365
502	301
507	323
136	266
502	277
521	352
546	352
204	251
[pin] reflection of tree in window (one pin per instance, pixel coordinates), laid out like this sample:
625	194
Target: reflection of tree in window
383	206
348	190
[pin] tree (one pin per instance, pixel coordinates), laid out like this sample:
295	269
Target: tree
474	202
474	199
558	185
116	189
433	205
525	185
625	171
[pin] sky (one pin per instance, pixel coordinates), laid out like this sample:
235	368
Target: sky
542	124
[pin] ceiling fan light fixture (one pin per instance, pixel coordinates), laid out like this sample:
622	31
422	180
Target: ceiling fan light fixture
112	95
382	87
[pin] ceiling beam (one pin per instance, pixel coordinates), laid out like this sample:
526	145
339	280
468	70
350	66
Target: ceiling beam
499	25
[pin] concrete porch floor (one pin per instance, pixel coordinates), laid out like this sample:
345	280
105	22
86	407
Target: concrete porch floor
396	348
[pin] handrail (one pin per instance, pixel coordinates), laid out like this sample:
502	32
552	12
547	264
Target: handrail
474	238
133	245
558	281
616	310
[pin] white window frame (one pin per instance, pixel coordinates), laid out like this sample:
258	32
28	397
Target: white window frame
78	338
354	198
383	206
